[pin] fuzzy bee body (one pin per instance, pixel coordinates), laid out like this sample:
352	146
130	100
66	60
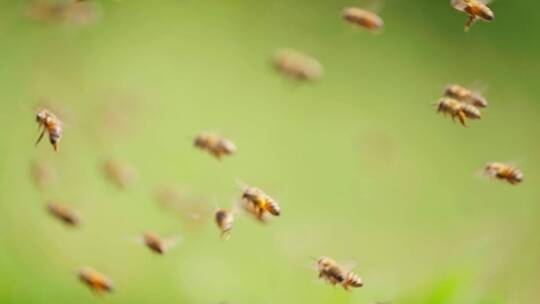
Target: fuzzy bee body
465	95
64	214
259	203
224	220
215	145
96	281
363	18
50	124
334	274
476	9
504	172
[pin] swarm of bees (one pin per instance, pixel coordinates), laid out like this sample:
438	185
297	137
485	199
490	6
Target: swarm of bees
66	215
460	102
363	18
333	273
476	9
298	65
48	122
215	145
96	281
504	172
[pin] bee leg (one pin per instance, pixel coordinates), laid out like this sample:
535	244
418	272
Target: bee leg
40	136
469	23
461	117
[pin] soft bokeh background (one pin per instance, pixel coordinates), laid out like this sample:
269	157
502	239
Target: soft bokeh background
362	166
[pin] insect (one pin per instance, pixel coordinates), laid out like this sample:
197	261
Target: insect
121	174
455	108
96	281
215	145
77	12
64	214
465	95
156	243
333	273
363	18
224	220
298	65
476	9
504	172
259	204
48	122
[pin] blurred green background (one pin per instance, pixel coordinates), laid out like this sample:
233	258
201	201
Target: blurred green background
362	166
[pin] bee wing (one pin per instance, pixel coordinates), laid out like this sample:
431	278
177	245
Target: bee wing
173	241
459	5
348	265
486	2
373	5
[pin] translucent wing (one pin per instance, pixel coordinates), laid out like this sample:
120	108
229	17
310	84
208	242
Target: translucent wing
459	5
348	265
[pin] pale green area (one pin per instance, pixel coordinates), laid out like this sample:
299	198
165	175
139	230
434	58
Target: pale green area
363	167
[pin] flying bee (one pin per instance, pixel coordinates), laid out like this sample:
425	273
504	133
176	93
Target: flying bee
298	65
259	203
476	9
333	273
64	214
156	243
504	172
224	220
96	281
363	18
457	109
76	12
471	111
215	145
49	123
121	174
465	95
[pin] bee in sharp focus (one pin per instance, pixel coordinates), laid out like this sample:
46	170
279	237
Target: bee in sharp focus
363	18
48	122
121	174
156	243
465	95
476	9
259	203
333	273
224	220
64	214
504	172
96	281
298	65
454	108
215	145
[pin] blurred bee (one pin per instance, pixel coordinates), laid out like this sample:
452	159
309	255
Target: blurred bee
363	18
49	123
504	172
297	65
96	281
121	174
457	109
64	214
465	95
43	174
215	145
157	244
333	273
259	204
476	9
224	220
78	12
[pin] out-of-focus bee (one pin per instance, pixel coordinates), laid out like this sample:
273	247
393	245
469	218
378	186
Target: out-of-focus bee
43	174
96	281
456	108
224	220
121	174
215	145
476	9
333	273
49	123
156	243
71	11
504	172
465	95
193	210
259	204
298	65
64	214
363	18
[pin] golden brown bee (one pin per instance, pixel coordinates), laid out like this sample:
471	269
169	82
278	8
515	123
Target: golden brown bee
121	174
64	214
98	282
259	203
363	18
333	273
224	220
215	145
476	9
298	65
504	172
43	174
465	95
457	109
155	243
49	123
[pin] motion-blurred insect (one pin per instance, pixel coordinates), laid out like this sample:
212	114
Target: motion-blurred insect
215	145
259	204
43	173
75	12
465	95
504	172
96	281
120	173
363	18
66	215
224	220
456	108
48	122
298	65
333	273
476	9
158	244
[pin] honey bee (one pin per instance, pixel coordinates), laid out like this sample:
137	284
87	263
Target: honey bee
457	109
224	220
298	65
476	9
96	281
64	214
504	172
465	95
43	174
157	244
215	145
363	18
259	204
76	12
333	273
121	174
49	123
